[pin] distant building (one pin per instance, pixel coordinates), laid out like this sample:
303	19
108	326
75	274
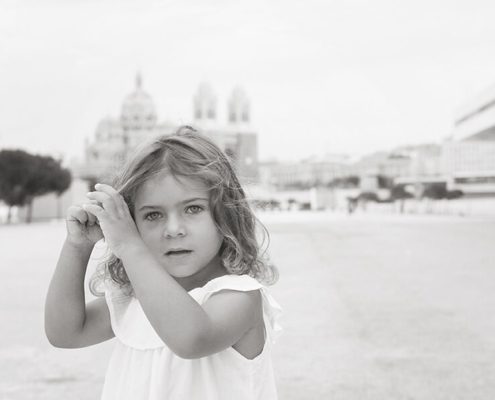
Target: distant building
115	138
466	160
426	160
390	164
314	171
237	137
468	157
403	161
475	119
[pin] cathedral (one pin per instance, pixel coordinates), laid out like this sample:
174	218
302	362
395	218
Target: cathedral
115	138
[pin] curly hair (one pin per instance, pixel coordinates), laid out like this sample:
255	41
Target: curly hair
188	153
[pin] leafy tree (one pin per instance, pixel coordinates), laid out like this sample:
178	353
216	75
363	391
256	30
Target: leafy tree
15	169
24	176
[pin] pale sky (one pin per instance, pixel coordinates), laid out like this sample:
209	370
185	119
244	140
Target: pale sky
322	76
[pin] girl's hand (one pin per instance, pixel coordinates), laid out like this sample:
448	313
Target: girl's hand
114	217
82	227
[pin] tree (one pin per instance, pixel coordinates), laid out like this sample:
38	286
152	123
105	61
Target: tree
15	169
24	176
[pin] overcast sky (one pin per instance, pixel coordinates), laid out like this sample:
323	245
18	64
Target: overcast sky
322	76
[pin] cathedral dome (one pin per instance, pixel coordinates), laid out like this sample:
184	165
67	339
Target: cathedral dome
138	109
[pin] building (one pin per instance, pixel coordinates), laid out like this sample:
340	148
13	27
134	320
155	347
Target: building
314	171
390	164
115	138
468	156
465	162
236	137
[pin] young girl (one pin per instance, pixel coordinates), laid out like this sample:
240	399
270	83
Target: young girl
182	291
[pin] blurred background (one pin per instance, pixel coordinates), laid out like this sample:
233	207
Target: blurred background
363	132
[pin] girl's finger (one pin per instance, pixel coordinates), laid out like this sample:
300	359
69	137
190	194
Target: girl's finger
92	215
94	209
102	187
119	201
91	219
98	196
106	201
76	213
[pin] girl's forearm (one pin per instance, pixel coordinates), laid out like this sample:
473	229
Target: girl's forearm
65	300
176	317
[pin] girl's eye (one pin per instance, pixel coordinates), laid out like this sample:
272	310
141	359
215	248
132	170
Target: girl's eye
151	216
194	209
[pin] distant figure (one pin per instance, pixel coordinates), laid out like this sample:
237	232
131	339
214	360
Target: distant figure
183	288
352	203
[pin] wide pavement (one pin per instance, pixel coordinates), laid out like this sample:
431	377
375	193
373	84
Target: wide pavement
375	307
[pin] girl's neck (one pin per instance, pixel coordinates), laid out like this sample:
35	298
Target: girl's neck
213	270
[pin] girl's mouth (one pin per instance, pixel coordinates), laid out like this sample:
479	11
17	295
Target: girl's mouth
179	252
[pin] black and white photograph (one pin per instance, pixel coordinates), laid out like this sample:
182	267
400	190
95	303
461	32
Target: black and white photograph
247	200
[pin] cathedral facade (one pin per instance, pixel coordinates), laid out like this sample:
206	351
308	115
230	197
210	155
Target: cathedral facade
116	138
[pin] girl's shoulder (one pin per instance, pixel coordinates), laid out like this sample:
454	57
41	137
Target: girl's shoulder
240	283
243	283
271	309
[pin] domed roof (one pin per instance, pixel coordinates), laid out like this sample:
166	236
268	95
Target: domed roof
138	109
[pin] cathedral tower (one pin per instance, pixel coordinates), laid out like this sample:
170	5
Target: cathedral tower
238	108
205	105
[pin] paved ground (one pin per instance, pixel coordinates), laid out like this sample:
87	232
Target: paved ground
376	307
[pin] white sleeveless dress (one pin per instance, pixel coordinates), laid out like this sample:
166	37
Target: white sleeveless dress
142	367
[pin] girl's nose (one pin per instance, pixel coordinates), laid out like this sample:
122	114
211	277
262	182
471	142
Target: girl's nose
174	228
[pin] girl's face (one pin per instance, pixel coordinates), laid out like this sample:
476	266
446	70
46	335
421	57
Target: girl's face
174	220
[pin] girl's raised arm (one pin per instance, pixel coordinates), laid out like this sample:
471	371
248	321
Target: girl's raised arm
68	323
